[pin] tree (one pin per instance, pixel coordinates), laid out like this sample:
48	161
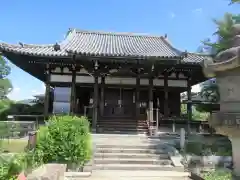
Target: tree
224	35
209	91
234	1
5	83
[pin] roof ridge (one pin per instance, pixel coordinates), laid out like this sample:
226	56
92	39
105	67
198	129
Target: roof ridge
35	45
133	34
20	44
169	44
201	54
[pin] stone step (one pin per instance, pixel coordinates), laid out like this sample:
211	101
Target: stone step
123	132
118	128
130	150
121	122
134	145
120	143
122	126
131	155
139	175
139	167
132	161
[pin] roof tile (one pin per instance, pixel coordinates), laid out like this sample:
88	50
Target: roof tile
105	44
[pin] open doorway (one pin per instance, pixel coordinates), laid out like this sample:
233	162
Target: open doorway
83	96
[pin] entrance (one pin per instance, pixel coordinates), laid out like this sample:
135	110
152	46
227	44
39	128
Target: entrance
119	102
83	95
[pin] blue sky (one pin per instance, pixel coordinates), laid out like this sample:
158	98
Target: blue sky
186	22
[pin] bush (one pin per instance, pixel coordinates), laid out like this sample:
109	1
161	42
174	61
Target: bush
218	175
65	139
208	145
11	167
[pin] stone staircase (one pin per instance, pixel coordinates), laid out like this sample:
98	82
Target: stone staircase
124	153
122	126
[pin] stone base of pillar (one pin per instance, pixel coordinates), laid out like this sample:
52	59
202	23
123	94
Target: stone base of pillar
234	177
94	130
236	155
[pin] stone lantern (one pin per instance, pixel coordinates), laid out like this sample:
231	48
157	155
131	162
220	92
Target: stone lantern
226	68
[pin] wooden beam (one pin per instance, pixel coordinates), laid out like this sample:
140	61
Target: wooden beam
166	108
137	94
189	105
73	90
95	97
47	91
150	93
102	102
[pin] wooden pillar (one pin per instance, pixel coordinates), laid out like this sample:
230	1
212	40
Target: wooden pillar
137	96
73	91
47	92
102	102
95	98
166	108
189	104
150	98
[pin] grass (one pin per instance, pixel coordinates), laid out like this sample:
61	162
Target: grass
13	145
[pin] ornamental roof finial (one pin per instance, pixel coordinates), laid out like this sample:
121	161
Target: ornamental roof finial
56	47
185	53
21	44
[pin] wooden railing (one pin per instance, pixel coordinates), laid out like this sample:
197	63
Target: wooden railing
155	120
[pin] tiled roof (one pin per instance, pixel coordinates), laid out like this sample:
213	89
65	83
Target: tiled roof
195	57
89	43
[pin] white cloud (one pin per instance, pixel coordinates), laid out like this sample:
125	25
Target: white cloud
43	87
172	15
15	94
197	11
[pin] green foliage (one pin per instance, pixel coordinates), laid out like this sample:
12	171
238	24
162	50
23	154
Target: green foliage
224	34
11	167
203	149
5	84
196	115
235	1
209	93
217	175
65	139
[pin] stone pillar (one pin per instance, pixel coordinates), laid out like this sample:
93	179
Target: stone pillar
73	91
226	68
47	92
102	102
236	155
32	140
166	110
189	104
137	96
150	98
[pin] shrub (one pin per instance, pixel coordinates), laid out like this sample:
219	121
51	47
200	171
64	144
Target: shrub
11	167
65	139
217	175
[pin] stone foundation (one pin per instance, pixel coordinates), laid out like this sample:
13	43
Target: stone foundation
48	172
